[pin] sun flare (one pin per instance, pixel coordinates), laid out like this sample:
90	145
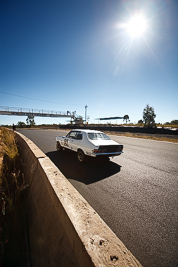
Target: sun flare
136	26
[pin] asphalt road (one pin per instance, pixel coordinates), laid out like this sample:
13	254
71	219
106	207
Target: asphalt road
136	194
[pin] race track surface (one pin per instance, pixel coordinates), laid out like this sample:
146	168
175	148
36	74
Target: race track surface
136	193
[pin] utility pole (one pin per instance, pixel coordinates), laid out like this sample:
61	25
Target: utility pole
86	114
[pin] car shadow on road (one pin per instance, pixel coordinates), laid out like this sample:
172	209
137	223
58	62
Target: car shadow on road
90	172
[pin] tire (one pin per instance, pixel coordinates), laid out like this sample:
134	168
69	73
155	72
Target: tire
58	146
81	156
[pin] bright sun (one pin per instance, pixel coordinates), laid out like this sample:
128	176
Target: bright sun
136	26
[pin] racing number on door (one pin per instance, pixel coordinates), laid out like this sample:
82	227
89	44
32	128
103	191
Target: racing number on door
66	142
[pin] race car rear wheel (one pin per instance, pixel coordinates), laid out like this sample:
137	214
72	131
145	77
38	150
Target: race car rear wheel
58	146
81	156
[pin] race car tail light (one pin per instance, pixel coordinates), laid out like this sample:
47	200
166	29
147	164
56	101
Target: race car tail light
99	150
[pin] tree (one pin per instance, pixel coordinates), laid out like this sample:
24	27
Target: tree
21	124
30	120
149	116
126	118
174	122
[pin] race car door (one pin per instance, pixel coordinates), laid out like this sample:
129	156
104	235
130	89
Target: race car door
68	141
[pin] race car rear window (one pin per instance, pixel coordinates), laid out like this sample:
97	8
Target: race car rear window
97	136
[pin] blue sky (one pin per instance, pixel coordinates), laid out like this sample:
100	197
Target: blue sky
64	55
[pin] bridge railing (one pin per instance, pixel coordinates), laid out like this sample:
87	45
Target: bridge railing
35	112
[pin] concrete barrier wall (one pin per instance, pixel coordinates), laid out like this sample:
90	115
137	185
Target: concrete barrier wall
63	229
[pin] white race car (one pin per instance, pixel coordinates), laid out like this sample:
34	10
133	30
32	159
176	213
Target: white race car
89	143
